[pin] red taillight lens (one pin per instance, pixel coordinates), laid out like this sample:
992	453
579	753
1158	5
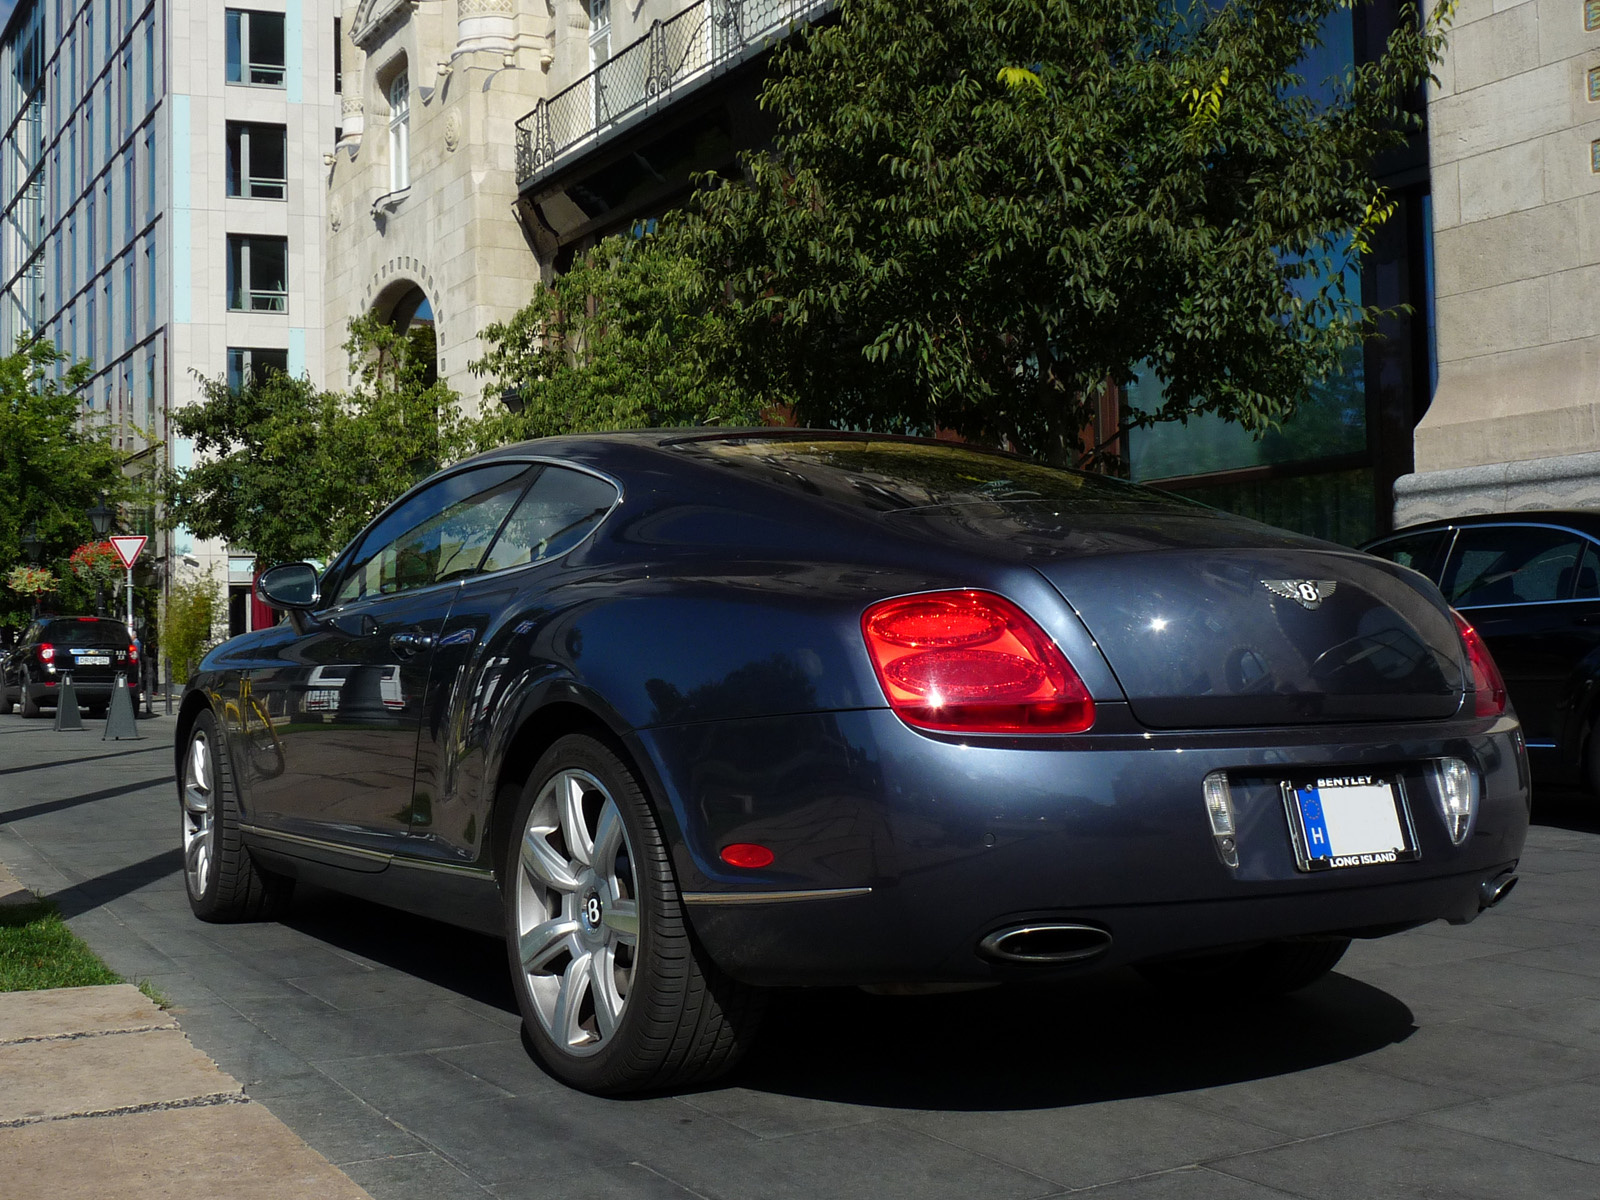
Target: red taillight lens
47	652
972	662
1488	689
133	654
748	855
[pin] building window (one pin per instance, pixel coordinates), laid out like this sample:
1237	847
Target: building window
338	58
246	363
150	281
130	221
130	298
400	132
255	48
257	160
150	62
150	174
88	323
258	273
150	391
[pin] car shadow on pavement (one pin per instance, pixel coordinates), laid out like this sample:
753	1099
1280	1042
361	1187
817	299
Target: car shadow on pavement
1102	1039
469	964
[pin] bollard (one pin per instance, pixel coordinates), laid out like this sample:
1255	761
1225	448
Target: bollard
67	714
120	725
167	689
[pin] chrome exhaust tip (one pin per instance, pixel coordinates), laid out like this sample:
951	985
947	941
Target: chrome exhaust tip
1045	943
1492	891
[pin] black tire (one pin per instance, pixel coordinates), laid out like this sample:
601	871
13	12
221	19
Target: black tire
6	703
674	1019
222	880
1274	969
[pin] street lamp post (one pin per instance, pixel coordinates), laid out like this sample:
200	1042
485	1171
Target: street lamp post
101	517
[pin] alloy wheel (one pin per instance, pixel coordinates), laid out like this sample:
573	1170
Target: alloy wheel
199	817
577	911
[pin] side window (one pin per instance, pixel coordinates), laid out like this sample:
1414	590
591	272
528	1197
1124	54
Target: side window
437	535
1419	551
559	511
1588	582
1511	564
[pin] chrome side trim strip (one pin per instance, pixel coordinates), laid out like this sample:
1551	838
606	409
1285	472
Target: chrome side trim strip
460	870
773	897
317	843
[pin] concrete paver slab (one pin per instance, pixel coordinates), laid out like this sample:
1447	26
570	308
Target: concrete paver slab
107	1008
240	1151
63	1076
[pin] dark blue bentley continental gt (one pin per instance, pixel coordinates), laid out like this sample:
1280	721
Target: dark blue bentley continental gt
686	714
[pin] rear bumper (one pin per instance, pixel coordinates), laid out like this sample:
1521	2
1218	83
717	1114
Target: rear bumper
90	690
900	852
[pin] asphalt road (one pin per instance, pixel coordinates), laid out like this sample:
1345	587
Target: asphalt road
1445	1062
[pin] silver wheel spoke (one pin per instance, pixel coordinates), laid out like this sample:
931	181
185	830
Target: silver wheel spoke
622	919
607	838
541	861
546	940
564	1024
196	800
569	801
199	764
607	1005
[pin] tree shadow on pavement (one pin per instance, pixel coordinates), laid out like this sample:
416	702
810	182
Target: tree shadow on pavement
113	885
1051	1046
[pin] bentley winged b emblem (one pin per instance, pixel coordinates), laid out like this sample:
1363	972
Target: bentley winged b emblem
1307	593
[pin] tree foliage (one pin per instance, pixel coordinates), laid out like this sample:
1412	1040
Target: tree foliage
976	215
190	614
54	464
287	471
633	335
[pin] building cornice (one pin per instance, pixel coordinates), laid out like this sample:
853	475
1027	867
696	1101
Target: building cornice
373	16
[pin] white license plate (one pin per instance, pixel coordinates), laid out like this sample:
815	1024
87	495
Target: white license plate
1348	821
94	660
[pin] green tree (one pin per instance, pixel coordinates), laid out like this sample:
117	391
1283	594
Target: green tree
287	471
54	465
189	618
633	335
978	214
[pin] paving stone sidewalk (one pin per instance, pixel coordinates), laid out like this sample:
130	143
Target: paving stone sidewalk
1442	1063
102	1094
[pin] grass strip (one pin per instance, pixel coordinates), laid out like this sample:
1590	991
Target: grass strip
37	950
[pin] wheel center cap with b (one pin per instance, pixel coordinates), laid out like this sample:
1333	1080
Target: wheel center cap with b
590	911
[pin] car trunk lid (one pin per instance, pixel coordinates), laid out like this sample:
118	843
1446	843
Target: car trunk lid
1250	637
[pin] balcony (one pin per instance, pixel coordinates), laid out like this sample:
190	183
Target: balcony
678	55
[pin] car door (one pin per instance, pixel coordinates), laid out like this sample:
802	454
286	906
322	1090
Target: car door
1517	584
352	687
483	651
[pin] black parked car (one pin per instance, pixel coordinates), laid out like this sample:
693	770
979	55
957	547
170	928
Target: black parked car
684	714
93	650
1530	584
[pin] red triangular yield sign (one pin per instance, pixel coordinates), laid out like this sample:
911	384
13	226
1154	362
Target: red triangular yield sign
128	548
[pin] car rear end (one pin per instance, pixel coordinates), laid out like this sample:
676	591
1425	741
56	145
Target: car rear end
1133	736
92	651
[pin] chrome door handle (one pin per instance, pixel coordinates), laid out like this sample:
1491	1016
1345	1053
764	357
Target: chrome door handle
407	644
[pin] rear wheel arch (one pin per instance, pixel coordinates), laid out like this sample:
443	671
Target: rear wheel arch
536	733
189	709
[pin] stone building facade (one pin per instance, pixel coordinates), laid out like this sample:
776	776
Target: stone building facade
1514	142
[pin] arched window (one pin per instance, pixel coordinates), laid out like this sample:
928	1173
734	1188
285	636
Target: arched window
400	132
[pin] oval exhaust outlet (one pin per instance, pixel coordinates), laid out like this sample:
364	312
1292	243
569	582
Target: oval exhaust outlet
1492	891
1042	943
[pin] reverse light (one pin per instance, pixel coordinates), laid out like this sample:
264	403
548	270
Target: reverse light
748	855
1455	787
47	652
1488	688
1219	808
972	662
133	654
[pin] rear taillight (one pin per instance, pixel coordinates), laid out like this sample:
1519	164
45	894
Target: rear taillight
1488	689
133	654
47	652
972	662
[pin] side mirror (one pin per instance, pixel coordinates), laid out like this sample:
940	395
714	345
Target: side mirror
291	586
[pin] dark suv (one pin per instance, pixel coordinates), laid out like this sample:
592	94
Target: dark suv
90	649
1530	584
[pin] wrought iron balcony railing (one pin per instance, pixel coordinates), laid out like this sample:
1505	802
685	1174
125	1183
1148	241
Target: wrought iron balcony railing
675	56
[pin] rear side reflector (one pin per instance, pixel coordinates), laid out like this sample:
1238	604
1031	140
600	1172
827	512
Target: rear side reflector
972	662
748	855
1488	689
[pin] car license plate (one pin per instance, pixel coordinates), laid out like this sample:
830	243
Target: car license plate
1348	821
94	660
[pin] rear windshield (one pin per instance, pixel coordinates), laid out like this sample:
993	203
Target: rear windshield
896	476
85	633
